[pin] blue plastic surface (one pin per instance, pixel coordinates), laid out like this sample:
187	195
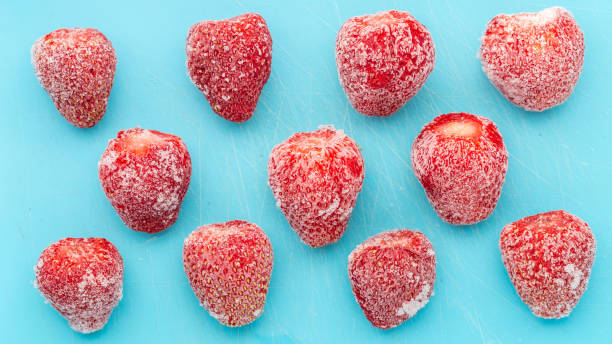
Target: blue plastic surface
559	159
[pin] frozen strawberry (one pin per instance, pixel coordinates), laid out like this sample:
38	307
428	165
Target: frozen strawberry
392	275
76	67
549	258
461	161
229	267
383	60
82	278
533	59
229	61
145	175
315	178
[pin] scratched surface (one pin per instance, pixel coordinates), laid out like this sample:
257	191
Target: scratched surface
560	159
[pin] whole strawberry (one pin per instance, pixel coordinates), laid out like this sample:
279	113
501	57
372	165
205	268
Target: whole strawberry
315	178
392	275
383	60
549	258
230	61
229	267
76	67
461	161
145	175
82	278
533	59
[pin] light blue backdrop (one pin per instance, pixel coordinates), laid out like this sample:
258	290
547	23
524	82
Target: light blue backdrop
559	159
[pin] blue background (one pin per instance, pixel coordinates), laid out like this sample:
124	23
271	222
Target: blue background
559	159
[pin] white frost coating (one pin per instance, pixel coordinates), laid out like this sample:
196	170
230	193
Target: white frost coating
411	307
542	17
576	275
217	316
331	209
327	126
257	312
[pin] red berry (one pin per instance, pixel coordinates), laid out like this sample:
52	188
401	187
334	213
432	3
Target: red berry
82	278
533	59
392	275
145	175
76	67
315	178
383	60
549	258
461	161
229	267
229	61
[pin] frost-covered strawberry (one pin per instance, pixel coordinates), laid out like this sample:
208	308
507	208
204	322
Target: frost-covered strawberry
76	67
461	161
533	59
145	175
82	278
230	61
383	60
392	275
549	258
316	177
229	267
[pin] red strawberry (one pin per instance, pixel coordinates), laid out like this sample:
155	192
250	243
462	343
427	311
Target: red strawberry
82	278
145	175
392	275
315	178
461	161
549	258
229	267
383	60
534	59
76	67
229	61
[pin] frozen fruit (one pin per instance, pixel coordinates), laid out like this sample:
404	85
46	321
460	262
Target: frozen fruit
461	161
549	258
76	67
229	267
145	175
229	61
383	60
533	59
316	177
392	275
82	278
